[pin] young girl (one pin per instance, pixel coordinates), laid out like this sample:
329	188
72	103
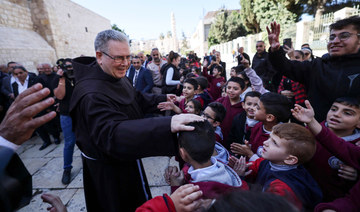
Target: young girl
193	106
190	86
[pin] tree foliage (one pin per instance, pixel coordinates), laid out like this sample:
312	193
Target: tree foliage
257	14
115	27
227	26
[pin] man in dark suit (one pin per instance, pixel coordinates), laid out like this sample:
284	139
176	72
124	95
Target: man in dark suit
140	77
23	80
16	128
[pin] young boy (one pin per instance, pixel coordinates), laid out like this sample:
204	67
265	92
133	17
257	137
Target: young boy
190	85
202	92
280	169
215	113
272	109
244	122
216	81
342	122
232	103
196	148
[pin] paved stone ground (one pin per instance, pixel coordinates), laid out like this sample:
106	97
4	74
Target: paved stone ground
46	168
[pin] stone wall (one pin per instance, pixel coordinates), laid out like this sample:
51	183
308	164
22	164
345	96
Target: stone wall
38	31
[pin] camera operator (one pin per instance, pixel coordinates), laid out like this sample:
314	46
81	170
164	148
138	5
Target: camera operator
64	86
216	60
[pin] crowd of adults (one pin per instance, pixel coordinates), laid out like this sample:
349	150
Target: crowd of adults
120	107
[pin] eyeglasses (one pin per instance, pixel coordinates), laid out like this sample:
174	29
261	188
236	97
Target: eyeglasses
136	62
342	36
207	116
259	46
118	59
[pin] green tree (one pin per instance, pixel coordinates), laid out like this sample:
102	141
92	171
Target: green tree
115	27
227	26
257	14
161	36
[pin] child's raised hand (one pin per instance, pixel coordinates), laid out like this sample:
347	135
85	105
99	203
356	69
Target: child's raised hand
348	173
240	167
241	149
169	171
303	114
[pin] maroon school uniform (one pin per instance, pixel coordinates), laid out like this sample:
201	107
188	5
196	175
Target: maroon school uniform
159	204
257	138
231	112
324	167
215	84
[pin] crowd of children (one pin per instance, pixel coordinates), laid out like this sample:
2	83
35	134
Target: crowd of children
248	143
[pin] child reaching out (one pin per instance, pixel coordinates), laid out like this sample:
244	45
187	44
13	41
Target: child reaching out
280	169
339	131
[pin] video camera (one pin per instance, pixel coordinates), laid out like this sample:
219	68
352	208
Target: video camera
68	69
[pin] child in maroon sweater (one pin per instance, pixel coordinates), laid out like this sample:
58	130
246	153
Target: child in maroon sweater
216	81
232	103
272	109
334	176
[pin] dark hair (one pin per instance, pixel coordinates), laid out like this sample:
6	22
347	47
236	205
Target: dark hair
237	80
200	142
172	56
349	101
202	81
193	82
245	78
340	24
301	53
190	75
219	68
136	57
20	67
277	105
300	142
197	106
248	201
12	62
219	110
252	94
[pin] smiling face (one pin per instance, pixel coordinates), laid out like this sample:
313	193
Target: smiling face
343	119
233	90
275	149
190	107
115	49
338	47
188	90
20	74
136	63
250	106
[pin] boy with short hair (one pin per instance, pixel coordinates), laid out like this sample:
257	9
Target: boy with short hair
215	113
201	91
196	148
272	109
216	81
280	169
342	122
245	121
232	103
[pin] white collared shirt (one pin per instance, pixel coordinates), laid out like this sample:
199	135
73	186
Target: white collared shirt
22	88
136	75
8	144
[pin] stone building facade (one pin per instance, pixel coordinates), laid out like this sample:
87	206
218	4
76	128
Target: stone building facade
38	31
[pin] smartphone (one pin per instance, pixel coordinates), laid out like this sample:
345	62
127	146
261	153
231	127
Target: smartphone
287	42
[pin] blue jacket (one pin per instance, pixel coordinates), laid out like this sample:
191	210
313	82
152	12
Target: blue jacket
144	82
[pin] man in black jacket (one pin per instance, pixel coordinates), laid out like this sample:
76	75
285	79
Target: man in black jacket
334	75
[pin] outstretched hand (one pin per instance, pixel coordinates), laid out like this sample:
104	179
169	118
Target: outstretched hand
19	124
240	166
273	36
186	198
302	114
242	149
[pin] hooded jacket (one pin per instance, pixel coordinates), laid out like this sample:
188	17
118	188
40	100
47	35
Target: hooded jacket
325	78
